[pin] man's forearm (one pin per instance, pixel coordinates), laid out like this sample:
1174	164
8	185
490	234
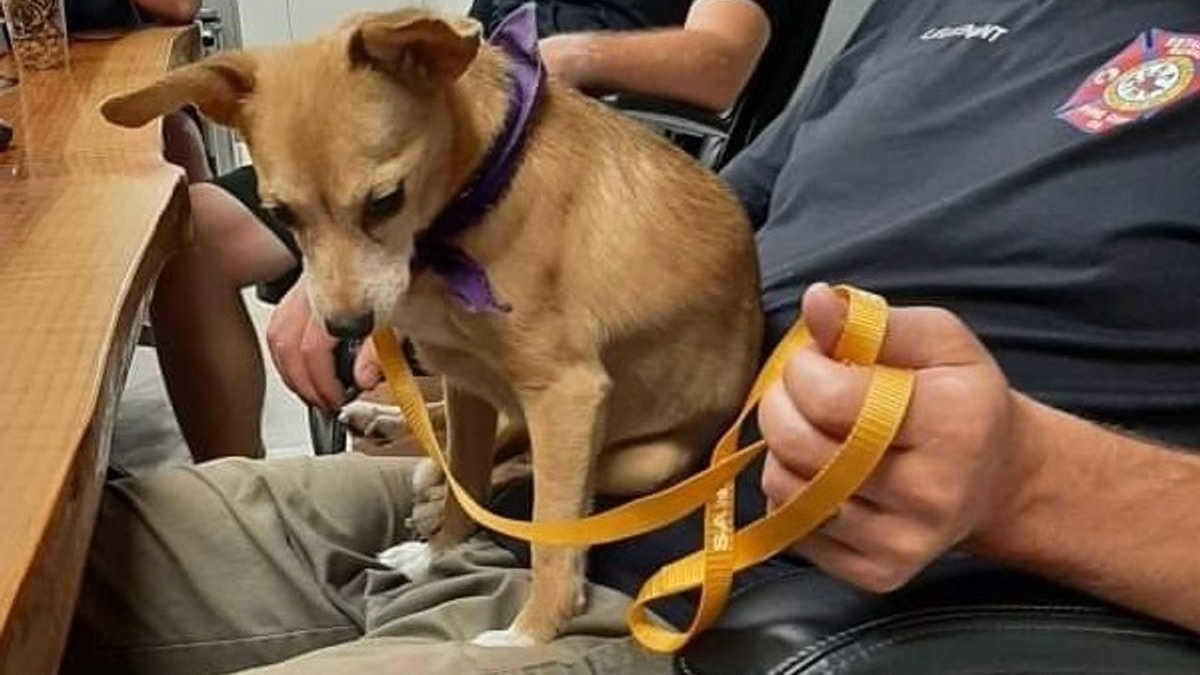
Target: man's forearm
1105	513
687	66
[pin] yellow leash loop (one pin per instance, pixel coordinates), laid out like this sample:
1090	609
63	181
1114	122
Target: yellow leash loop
726	550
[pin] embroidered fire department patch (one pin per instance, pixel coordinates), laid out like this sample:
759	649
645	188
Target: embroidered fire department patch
1157	70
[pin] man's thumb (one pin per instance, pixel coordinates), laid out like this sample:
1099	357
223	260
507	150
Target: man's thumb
367	372
824	315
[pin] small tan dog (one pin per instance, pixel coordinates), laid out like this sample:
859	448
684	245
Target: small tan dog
635	323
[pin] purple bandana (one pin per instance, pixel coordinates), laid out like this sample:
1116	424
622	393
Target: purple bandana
465	277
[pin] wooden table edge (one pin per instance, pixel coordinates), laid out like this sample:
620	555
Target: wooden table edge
34	627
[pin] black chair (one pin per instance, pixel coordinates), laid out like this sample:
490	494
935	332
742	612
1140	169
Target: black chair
961	617
718	137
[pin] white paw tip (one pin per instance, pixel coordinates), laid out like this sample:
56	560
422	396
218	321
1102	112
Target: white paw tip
348	410
502	638
412	559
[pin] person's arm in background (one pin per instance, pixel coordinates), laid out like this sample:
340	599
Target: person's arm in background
705	63
983	467
170	11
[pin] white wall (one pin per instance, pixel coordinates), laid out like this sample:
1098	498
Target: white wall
449	6
264	22
267	22
844	16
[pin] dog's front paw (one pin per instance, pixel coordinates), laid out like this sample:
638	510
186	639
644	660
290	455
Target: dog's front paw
503	638
412	559
371	420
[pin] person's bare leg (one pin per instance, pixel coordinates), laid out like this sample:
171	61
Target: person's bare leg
205	341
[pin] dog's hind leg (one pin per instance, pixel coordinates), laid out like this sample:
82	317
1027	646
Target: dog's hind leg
511	440
639	468
566	420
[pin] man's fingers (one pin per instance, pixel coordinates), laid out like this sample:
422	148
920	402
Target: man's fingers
893	536
838	560
283	341
826	393
289	362
781	484
866	542
848	564
829	395
285	336
316	350
367	372
793	441
917	337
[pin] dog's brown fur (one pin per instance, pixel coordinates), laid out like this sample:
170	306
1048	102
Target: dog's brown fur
631	271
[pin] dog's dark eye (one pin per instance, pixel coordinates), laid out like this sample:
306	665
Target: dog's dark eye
283	214
375	210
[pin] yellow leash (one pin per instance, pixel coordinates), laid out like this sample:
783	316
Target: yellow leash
726	550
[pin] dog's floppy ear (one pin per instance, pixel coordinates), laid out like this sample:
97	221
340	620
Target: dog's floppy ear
418	50
218	85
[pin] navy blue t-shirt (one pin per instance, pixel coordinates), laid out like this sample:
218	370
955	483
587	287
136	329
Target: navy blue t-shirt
945	158
929	165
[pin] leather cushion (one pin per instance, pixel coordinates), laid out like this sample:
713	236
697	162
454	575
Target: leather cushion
961	617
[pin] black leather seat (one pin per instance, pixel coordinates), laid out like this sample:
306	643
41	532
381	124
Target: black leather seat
962	617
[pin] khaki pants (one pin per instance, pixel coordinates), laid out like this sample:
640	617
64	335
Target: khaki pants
268	567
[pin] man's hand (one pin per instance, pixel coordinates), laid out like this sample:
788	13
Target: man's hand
955	465
368	374
566	57
303	354
303	351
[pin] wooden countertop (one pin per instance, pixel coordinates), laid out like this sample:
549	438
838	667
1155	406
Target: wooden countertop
88	212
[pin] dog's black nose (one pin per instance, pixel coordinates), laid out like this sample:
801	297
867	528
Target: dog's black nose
351	328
